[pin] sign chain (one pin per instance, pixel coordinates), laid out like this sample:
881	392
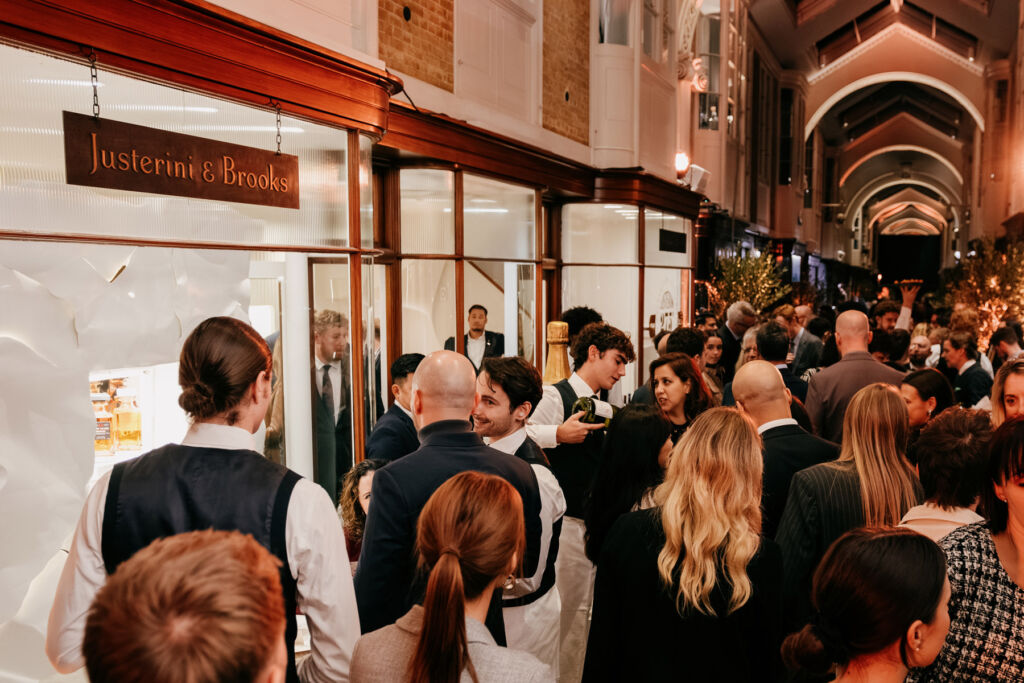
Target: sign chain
94	77
277	108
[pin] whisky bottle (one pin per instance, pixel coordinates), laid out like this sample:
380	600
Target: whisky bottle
595	411
103	443
127	421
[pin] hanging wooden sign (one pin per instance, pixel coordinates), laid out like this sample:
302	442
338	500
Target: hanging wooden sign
124	156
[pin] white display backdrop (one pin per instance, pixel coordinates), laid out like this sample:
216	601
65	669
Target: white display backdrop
69	310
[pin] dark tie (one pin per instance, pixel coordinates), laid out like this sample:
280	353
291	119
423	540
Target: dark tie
327	393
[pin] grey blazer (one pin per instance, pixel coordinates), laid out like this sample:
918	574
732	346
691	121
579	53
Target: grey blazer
383	656
830	391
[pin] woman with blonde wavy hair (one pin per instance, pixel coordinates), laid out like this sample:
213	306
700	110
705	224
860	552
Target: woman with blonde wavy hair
872	483
691	586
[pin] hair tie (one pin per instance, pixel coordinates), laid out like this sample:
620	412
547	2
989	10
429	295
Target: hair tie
451	551
831	640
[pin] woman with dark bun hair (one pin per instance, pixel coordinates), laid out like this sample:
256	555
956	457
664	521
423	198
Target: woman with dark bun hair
216	479
470	539
927	393
881	608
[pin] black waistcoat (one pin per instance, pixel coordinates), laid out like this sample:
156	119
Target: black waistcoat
176	489
575	464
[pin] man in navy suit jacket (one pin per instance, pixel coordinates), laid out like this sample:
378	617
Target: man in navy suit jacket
443	397
787	448
394	435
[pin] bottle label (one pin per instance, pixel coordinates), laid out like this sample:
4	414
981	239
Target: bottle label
603	410
103	429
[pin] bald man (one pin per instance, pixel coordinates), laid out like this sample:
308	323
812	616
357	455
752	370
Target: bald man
761	393
831	389
444	394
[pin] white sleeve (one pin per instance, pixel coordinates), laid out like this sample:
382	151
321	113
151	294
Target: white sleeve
83	575
318	560
552	509
903	322
546	418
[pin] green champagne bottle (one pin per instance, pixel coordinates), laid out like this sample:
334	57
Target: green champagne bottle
594	410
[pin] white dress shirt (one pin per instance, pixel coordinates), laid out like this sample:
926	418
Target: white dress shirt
772	424
534	628
475	348
550	413
317	558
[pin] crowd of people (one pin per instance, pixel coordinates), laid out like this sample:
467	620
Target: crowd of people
790	495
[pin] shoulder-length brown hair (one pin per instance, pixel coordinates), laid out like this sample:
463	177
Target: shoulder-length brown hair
470	532
698	399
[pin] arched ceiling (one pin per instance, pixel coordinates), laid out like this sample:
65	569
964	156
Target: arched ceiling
800	32
864	110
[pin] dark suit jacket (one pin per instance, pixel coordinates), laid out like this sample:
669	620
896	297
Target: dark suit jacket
823	503
787	450
386	581
637	633
730	352
972	386
393	436
333	444
831	389
807	354
643	395
494	344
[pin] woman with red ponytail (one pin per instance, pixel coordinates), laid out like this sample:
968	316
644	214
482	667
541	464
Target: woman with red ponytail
470	538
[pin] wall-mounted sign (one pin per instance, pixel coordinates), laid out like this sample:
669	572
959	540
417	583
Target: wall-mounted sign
124	156
670	240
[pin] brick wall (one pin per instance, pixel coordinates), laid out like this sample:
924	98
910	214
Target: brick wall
567	68
422	47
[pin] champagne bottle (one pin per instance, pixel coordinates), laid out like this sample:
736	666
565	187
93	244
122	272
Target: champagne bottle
557	367
594	410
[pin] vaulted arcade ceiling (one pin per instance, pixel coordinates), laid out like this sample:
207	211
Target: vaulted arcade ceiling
805	34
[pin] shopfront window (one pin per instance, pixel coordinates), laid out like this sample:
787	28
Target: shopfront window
428	305
96	312
602	239
35	197
499	218
494	271
428	205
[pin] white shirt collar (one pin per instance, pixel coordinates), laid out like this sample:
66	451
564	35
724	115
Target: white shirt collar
781	365
581	387
404	409
208	435
965	366
772	424
508	444
796	339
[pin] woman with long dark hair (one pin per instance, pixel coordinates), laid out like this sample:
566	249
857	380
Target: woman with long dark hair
216	479
881	602
470	539
679	390
634	457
